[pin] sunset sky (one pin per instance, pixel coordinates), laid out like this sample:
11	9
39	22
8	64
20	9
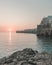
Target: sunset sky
22	14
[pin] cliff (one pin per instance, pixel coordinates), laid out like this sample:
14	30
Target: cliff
45	27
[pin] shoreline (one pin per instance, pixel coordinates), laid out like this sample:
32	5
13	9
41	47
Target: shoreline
27	56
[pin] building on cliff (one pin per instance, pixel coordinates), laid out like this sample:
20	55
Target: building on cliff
45	27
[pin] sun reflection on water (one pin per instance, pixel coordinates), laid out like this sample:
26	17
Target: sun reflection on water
10	36
10	42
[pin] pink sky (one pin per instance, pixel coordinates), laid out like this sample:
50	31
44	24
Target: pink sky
23	14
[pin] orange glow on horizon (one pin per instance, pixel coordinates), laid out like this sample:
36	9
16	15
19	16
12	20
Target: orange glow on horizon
10	30
14	28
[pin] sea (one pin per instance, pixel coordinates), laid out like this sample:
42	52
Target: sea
11	42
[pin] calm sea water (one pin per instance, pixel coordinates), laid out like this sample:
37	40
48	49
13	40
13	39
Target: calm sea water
11	42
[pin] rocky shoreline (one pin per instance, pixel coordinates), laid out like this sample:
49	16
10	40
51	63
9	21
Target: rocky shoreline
27	56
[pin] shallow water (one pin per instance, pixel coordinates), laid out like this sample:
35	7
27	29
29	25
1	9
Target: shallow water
11	42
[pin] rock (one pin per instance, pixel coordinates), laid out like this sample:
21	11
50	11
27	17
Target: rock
9	60
27	57
2	61
28	63
29	51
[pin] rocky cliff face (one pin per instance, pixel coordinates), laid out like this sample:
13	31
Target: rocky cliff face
47	20
27	57
45	27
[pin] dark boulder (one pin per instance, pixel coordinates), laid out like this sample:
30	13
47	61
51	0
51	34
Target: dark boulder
29	51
